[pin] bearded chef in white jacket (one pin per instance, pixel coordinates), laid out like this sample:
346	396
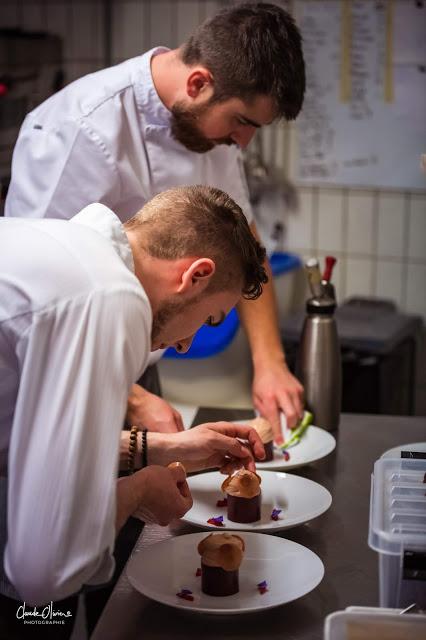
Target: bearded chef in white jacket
173	117
82	303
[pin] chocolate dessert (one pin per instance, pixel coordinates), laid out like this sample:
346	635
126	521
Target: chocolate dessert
221	556
243	496
264	429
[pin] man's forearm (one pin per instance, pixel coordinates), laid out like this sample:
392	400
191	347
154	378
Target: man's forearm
260	321
162	448
127	500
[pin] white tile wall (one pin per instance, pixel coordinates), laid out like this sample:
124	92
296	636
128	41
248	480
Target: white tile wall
359	277
416	289
389	281
330	220
417	228
279	155
299	236
360	236
392	212
379	237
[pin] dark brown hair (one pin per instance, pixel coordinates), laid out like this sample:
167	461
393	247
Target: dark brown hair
204	222
251	49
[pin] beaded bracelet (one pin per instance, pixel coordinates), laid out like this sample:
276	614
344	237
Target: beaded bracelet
132	450
144	448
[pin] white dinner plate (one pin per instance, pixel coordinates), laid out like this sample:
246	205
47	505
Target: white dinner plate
162	570
299	499
315	444
420	447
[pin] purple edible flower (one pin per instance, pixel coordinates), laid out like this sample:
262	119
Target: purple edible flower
185	594
262	587
217	521
275	513
286	455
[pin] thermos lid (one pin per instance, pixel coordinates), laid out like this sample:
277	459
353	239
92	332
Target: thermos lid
322	306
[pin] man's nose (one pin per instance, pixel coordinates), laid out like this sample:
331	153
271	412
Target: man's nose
243	136
183	345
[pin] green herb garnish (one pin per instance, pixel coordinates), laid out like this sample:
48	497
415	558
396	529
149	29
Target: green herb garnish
299	431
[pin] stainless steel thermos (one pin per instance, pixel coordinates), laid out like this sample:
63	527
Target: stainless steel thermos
319	363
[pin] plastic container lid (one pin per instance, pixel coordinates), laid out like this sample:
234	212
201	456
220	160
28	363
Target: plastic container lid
395	452
398	506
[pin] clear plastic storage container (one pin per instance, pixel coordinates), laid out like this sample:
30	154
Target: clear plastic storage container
372	623
398	530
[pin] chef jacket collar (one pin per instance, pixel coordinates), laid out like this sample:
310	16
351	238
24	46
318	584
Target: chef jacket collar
153	111
101	219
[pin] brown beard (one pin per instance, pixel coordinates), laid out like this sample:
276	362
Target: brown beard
185	129
162	316
168	310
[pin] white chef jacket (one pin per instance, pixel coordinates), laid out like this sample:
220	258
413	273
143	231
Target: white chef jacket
75	326
106	138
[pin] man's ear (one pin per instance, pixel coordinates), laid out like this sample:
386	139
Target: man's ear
197	275
199	81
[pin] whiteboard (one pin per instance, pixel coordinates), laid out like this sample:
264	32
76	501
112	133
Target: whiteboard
375	134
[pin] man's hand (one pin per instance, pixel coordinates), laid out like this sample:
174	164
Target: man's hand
275	389
210	445
148	411
154	494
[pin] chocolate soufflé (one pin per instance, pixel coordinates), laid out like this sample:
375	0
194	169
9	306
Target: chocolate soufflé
243	496
264	429
221	556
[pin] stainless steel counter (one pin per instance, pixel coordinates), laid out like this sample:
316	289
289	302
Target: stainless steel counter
339	537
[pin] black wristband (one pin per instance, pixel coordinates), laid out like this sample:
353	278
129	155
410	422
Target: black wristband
144	448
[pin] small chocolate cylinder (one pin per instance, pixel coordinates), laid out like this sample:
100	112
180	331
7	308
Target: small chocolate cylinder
269	451
243	509
215	581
